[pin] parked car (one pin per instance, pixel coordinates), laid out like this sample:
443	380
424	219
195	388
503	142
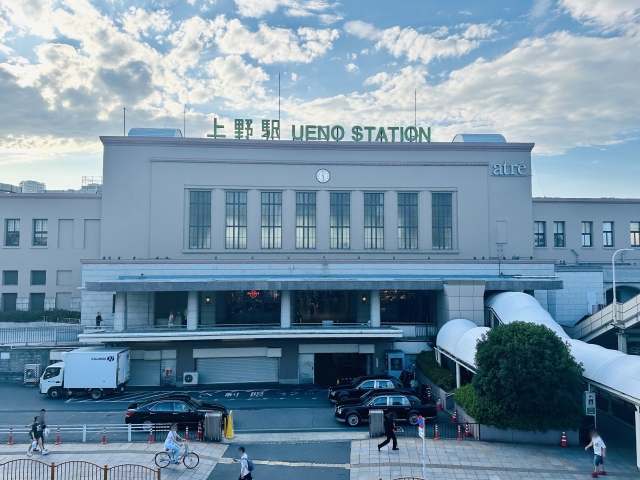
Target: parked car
371	394
402	407
362	385
179	408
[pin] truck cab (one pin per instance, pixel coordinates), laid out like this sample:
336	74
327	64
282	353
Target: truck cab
52	380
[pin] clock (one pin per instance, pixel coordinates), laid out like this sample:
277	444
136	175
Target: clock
323	175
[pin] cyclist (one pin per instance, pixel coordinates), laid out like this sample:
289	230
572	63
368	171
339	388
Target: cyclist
173	443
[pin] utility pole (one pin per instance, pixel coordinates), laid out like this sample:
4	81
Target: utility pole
124	122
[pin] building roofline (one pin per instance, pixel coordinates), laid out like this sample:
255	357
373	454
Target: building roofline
313	145
85	196
584	200
244	261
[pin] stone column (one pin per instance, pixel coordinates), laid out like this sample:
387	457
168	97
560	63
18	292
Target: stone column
458	376
192	311
374	305
285	308
120	315
622	341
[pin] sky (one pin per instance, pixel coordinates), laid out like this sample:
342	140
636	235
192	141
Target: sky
562	74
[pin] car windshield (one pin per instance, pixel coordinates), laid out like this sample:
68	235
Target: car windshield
355	381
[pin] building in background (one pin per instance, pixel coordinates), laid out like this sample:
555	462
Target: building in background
31	186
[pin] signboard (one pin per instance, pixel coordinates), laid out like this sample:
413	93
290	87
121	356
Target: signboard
589	403
421	427
168	372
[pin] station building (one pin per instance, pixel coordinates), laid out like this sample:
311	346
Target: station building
302	262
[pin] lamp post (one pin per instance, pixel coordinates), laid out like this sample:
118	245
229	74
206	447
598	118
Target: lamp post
622	344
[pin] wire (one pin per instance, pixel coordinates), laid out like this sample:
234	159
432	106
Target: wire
538	177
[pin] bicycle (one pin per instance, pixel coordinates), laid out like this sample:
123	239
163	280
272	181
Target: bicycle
189	459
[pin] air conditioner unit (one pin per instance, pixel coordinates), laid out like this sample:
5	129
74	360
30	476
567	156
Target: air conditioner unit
190	378
31	374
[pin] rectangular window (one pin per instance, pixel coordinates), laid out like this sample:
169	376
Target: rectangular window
340	220
407	221
558	234
634	228
607	234
306	220
38	277
442	221
587	231
271	219
236	220
40	232
539	234
9	301
36	302
10	277
374	221
12	232
199	219
64	277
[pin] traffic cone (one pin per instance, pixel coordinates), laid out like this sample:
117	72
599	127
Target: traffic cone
563	441
104	436
150	436
229	433
429	396
199	433
58	441
10	442
459	433
454	419
186	434
436	437
467	432
439	404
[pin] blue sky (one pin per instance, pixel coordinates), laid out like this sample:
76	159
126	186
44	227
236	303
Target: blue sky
562	74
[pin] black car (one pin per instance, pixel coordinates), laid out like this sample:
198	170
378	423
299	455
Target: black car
362	385
402	407
181	409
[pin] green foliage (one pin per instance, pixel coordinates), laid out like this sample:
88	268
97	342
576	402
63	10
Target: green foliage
25	316
526	379
442	377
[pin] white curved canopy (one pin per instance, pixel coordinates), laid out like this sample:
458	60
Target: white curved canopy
466	349
450	334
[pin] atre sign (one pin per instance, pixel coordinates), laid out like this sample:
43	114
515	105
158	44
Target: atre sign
504	170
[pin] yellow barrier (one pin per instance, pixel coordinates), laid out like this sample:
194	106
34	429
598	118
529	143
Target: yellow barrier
228	430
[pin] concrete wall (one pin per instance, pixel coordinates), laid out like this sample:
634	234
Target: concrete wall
13	367
552	437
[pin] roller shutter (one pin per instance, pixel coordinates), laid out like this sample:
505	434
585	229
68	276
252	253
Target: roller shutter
145	373
237	370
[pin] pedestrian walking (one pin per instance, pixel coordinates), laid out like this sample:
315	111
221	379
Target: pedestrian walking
390	432
39	432
246	465
33	445
173	442
171	319
599	452
98	319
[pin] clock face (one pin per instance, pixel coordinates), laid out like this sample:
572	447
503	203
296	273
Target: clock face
323	175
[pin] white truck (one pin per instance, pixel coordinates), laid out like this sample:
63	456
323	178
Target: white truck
97	371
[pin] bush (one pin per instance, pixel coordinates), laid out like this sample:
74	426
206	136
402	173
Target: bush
26	316
442	377
481	409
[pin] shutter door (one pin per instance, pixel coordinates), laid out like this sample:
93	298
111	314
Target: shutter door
237	370
144	373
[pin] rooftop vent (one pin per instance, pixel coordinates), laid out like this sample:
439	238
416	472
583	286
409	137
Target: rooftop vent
479	138
155	132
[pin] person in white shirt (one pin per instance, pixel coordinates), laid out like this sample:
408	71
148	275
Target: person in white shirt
245	474
173	442
599	452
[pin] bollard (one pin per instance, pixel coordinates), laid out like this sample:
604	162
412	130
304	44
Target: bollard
563	440
84	433
150	435
10	442
436	437
129	433
186	434
459	433
199	433
229	430
58	441
104	436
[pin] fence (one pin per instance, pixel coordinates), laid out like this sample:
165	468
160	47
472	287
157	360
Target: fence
446	431
37	470
40	335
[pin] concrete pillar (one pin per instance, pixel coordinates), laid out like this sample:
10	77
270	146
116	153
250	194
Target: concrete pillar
374	304
458	376
637	437
120	315
622	341
439	358
193	309
285	308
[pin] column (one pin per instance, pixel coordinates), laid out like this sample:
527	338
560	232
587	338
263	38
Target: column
637	437
120	315
374	304
622	341
458	377
192	311
285	308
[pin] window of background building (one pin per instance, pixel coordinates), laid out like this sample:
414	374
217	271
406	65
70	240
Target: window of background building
306	220
36	302
539	234
607	234
587	234
374	221
271	219
634	227
558	234
40	232
199	219
340	219
38	277
9	302
12	232
442	221
10	277
407	221
236	220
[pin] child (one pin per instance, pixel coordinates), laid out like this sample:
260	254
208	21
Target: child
599	452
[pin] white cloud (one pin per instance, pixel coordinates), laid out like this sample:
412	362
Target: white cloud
139	22
540	8
464	12
360	29
352	68
294	77
609	14
235	80
293	8
329	19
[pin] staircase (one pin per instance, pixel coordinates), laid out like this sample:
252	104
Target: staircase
628	313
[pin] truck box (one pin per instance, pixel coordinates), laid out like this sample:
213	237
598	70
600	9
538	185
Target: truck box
96	367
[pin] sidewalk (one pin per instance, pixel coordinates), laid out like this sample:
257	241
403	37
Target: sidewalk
121	453
482	460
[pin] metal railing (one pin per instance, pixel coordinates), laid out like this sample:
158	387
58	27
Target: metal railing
446	431
40	335
416	330
626	313
37	470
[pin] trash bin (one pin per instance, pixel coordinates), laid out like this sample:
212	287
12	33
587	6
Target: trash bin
376	423
213	427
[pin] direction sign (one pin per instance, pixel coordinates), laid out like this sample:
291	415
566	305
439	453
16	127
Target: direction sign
589	403
421	427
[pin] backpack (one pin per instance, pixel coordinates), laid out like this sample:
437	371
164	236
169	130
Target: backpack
250	465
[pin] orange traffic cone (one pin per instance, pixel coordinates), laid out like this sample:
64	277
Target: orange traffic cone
199	434
454	419
467	432
563	441
150	436
58	441
459	433
104	436
436	436
439	404
186	434
10	442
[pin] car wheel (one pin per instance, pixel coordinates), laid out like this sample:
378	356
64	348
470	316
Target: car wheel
353	419
413	419
96	394
55	393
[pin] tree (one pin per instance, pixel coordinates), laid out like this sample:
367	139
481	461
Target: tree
527	375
